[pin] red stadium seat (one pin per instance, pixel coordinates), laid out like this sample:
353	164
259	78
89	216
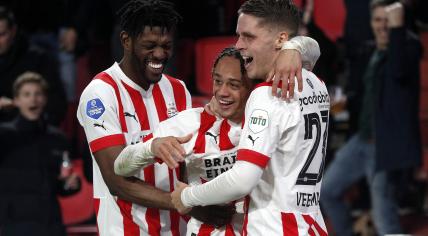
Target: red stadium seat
78	207
206	50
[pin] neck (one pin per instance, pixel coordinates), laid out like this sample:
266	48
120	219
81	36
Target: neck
131	70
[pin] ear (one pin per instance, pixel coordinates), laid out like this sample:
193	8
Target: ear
281	39
126	40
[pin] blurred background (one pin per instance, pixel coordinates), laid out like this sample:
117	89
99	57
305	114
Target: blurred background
69	41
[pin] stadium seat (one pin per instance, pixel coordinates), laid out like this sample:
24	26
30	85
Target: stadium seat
206	50
78	208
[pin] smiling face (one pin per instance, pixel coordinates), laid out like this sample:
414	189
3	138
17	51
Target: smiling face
257	44
30	100
148	53
230	89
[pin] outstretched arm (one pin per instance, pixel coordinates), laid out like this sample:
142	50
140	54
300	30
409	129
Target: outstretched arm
231	185
134	157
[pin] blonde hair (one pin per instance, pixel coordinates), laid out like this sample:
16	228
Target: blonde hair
29	77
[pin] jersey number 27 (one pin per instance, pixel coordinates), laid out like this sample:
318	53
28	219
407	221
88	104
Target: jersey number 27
313	120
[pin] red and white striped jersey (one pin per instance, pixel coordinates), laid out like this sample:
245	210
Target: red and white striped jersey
288	140
210	152
114	110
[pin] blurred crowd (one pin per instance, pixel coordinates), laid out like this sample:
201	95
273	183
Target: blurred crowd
51	49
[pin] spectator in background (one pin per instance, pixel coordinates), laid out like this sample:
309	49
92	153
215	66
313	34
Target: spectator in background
30	165
388	139
18	56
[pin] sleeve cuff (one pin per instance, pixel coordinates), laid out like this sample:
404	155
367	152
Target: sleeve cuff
107	141
253	157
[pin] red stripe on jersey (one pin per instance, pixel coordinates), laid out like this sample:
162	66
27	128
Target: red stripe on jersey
245	224
289	224
107	141
147	137
152	214
207	122
253	157
225	143
310	221
173	214
109	80
139	106
229	230
179	93
205	230
129	226
159	103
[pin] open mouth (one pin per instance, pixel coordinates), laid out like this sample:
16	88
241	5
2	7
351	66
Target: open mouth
247	60
33	108
157	67
224	104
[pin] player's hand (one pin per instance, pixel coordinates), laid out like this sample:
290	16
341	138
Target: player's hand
212	107
395	15
287	67
214	215
176	198
169	149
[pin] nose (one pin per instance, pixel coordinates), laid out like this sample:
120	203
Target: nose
223	90
239	44
159	53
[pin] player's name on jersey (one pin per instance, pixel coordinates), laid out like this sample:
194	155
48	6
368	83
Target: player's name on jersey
323	99
308	199
219	165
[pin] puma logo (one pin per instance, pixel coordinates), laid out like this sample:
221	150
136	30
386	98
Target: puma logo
100	125
212	135
252	140
130	115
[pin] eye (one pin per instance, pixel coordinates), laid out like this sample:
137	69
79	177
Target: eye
217	82
235	86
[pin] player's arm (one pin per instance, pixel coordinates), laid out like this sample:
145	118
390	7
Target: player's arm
129	188
288	65
97	114
134	157
231	185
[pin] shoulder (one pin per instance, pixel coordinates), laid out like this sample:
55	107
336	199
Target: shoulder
175	83
101	85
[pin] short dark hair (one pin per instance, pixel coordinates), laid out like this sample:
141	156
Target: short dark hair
231	52
380	3
137	14
6	14
29	77
282	13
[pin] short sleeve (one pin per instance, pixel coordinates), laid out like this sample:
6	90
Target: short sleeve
98	115
260	133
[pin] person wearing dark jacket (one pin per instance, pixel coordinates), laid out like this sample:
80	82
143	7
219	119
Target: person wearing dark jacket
18	56
387	143
30	166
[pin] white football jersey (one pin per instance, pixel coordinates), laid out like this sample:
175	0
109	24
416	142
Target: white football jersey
210	152
114	110
288	140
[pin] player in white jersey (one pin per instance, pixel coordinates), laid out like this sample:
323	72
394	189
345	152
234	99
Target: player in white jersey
282	147
120	107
